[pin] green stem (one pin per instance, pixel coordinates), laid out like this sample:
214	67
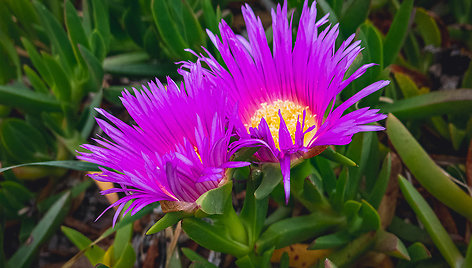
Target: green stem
433	226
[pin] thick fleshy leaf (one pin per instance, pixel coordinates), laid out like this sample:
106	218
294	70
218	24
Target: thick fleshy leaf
122	240
193	30
132	24
326	172
370	217
29	100
58	38
468	257
69	164
355	14
378	191
337	157
43	230
339	197
333	240
214	201
37	61
101	20
418	252
408	232
406	85
433	178
197	260
35	80
391	245
297	229
22	141
435	103
127	219
167	27
270	179
397	33
93	254
326	8
74	26
8	46
253	213
168	220
89	115
97	45
346	255
61	84
142	69
13	197
427	27
213	237
211	21
440	237
95	68
360	150
127	259
467	79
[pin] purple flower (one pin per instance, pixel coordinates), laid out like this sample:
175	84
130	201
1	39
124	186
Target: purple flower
286	95
179	149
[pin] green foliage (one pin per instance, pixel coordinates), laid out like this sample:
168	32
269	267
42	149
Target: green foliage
41	232
432	224
62	59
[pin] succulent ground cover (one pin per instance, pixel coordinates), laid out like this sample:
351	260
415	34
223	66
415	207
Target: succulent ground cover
385	187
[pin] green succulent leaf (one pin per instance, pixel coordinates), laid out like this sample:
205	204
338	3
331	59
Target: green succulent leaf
43	230
168	220
197	259
427	27
397	33
435	103
418	252
22	141
58	38
94	254
28	100
167	28
69	164
433	178
431	223
380	186
213	237
297	229
270	179
332	155
75	30
193	30
355	14
333	240
391	245
96	71
37	61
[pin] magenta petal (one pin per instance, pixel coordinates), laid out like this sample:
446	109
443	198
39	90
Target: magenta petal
285	168
309	71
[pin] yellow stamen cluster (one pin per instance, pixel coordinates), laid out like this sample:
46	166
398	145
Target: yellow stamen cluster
291	112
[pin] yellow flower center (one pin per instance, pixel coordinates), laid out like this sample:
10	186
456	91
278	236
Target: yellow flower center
291	113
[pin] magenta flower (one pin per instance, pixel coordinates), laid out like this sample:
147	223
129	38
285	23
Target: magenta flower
179	149
286	96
